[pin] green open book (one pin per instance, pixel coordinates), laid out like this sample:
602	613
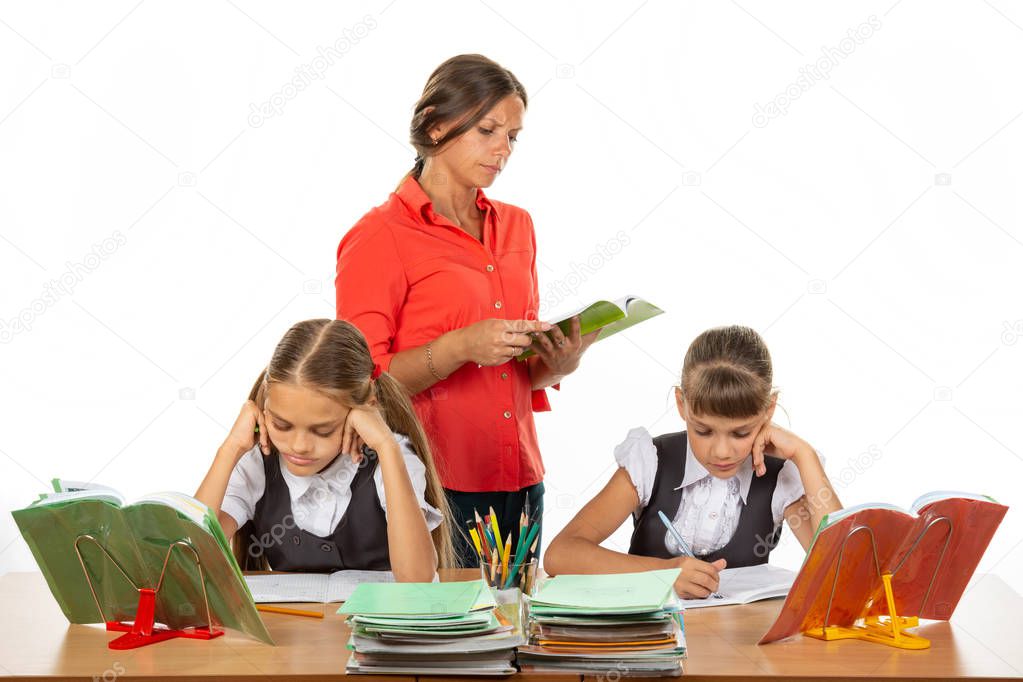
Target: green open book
610	317
138	536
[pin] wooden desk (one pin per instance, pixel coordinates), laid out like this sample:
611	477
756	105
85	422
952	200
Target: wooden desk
984	640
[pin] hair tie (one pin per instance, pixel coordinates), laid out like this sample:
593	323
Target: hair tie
377	370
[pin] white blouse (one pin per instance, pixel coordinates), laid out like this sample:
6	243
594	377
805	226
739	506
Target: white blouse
319	501
710	508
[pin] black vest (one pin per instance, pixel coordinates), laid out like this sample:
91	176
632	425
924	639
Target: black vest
358	542
756	534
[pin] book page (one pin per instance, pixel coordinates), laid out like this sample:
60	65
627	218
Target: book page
342	584
747	584
637	311
104	495
563	316
61	485
288	587
937	495
185	505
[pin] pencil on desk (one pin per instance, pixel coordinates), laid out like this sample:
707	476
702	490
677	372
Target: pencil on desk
288	612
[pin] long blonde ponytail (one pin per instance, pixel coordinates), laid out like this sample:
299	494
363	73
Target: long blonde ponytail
401	418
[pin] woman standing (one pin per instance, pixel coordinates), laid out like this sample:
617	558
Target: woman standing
442	282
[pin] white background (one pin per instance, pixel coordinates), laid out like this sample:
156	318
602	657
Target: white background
872	232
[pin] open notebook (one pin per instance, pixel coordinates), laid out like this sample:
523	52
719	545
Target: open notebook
277	588
747	584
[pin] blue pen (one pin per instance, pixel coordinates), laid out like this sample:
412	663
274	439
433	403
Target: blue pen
682	544
675	534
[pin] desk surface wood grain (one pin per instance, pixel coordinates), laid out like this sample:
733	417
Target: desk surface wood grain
984	640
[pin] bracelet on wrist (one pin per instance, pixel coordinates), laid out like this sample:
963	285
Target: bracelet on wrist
429	362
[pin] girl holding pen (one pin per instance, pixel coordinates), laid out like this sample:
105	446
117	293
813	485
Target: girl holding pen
724	487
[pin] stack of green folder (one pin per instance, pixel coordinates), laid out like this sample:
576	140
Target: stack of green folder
431	628
623	624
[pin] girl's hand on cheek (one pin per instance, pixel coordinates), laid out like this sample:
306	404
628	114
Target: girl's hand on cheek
249	429
365	426
776	441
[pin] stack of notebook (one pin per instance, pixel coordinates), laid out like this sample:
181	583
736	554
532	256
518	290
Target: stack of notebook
624	624
431	629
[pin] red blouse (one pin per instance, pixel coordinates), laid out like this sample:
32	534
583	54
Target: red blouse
405	276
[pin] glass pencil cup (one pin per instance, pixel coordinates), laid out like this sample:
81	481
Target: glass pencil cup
513	574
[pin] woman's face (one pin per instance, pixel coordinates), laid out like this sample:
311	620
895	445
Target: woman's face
478	156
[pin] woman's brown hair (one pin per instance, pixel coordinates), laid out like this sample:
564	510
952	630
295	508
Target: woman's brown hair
727	373
332	358
462	89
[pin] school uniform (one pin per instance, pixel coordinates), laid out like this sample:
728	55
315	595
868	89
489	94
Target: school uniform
738	519
330	521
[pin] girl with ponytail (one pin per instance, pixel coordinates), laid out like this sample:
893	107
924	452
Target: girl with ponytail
725	485
327	467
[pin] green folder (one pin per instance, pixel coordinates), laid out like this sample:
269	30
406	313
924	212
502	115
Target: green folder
137	536
616	593
610	317
427	601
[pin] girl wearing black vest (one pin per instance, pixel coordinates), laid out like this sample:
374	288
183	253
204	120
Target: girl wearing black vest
327	467
726	484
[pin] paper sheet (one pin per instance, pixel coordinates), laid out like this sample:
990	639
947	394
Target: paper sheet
747	584
311	587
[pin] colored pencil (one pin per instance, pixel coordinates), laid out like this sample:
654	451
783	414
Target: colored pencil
288	612
479	529
522	557
507	552
476	541
497	531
